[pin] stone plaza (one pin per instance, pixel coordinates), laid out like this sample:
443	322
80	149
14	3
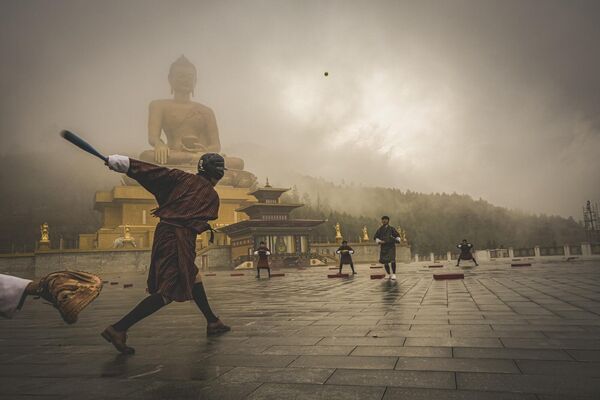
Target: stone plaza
529	333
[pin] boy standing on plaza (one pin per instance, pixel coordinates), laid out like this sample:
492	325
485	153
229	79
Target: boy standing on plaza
386	237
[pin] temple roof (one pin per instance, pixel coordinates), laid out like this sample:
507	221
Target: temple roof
269	190
270	224
285	207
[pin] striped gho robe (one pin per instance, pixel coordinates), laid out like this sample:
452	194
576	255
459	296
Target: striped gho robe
185	203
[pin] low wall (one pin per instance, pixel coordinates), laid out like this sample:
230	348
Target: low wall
214	257
363	252
583	251
16	264
98	261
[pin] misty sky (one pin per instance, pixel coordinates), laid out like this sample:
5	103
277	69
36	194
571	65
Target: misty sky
499	100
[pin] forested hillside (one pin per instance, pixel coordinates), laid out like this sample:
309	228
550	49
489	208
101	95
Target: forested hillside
433	222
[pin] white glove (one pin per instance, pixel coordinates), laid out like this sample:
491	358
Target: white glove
398	240
118	163
256	253
378	241
268	253
351	251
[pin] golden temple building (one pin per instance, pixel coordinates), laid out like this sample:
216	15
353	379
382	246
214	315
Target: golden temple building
132	206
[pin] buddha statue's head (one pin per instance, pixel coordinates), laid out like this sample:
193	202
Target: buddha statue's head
182	76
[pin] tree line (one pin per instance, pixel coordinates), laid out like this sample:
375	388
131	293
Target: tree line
433	222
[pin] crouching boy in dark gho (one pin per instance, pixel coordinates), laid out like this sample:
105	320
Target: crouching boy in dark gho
263	254
466	249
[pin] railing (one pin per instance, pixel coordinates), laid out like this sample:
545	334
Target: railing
499	253
552	251
526	252
575	250
286	259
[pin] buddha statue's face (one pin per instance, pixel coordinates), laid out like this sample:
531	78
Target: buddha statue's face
183	78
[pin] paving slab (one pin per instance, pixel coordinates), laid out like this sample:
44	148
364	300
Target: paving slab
310	350
429	394
571	385
562	368
277	375
352	362
456	364
529	354
438	380
274	391
402	351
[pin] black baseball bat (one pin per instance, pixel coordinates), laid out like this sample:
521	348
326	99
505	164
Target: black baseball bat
82	144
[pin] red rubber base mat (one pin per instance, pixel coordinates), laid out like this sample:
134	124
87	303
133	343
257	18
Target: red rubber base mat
338	276
441	277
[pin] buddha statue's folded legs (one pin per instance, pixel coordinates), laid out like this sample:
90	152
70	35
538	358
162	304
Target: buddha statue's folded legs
186	158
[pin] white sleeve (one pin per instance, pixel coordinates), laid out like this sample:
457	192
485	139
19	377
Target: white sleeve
12	290
378	241
337	252
351	251
256	253
398	239
118	163
268	253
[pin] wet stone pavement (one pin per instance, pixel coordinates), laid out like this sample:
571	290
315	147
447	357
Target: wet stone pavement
501	333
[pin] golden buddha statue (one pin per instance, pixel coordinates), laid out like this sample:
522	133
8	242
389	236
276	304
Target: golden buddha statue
190	129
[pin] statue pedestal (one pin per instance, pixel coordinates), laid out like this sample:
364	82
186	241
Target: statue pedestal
43	245
233	177
131	206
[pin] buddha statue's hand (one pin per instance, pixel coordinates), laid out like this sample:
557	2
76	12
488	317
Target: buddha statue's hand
192	144
161	153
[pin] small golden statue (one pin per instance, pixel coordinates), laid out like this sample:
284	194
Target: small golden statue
365	236
403	239
44	243
126	240
45	234
338	233
128	233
